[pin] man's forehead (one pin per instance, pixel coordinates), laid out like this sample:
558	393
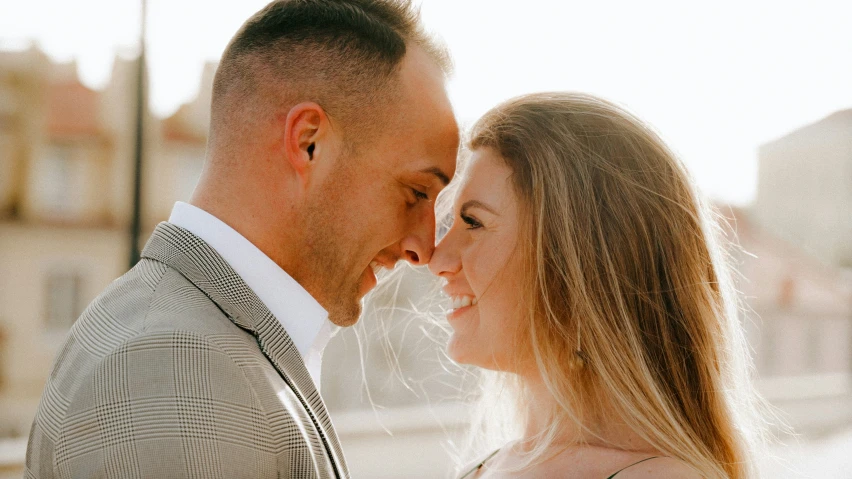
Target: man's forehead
431	151
426	127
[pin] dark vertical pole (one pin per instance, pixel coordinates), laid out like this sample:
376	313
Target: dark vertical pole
136	221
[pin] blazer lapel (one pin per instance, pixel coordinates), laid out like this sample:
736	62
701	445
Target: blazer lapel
205	268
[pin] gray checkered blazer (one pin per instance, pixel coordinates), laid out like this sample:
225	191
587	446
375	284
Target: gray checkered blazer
179	370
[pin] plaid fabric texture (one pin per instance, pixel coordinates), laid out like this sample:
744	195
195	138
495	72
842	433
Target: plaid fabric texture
179	370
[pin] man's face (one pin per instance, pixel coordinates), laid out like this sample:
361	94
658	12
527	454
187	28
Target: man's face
377	206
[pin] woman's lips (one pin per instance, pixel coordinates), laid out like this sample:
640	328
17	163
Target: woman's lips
461	303
457	313
368	280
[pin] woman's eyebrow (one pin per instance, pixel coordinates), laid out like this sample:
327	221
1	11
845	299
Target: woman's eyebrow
478	204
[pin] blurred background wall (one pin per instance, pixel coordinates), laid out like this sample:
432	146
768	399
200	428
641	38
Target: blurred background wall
66	156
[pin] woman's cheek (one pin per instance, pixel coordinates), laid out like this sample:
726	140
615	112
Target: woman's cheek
475	265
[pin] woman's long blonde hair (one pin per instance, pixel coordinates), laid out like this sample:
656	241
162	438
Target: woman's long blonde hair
630	301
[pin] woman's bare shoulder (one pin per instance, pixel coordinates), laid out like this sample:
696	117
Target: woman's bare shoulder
660	468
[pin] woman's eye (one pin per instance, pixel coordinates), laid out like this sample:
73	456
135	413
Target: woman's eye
420	195
471	222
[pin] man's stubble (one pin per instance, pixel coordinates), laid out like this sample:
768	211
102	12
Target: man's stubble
333	245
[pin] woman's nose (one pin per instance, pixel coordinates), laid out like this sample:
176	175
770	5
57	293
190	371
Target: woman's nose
445	260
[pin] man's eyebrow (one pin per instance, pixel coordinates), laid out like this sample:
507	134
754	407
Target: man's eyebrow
477	204
445	180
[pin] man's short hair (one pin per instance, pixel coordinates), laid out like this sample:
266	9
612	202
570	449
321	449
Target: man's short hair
341	54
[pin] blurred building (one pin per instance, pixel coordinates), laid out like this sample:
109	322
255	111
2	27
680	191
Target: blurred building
805	188
799	284
797	314
800	308
66	156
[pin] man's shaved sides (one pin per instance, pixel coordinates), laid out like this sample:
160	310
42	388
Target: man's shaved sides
341	54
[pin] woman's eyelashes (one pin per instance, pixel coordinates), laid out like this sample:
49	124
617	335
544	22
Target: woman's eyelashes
419	194
471	222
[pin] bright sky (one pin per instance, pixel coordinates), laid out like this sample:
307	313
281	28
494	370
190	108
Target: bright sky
717	79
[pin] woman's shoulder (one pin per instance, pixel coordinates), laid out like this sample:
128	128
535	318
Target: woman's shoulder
605	463
470	469
659	468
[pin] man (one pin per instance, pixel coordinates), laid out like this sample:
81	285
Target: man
331	135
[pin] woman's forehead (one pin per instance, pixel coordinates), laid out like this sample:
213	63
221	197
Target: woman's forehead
486	175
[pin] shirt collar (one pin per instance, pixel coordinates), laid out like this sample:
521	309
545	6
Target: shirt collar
304	319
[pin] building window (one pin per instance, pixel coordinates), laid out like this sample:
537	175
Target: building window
3	347
58	192
57	183
6	170
64	299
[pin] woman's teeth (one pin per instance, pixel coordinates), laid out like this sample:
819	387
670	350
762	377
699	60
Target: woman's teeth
463	301
374	265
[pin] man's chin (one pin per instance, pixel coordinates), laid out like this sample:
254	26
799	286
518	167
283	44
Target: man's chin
345	315
347	308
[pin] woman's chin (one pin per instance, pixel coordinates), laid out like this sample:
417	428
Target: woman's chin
466	352
471	353
456	350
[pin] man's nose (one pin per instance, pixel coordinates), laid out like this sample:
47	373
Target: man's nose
419	244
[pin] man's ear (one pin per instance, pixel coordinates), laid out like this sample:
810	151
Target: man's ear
306	124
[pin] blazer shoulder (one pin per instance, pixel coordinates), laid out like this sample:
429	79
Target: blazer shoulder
151	297
177	304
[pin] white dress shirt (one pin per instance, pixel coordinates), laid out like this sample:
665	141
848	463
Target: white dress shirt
304	319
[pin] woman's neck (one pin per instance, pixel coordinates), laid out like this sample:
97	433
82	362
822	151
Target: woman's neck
598	429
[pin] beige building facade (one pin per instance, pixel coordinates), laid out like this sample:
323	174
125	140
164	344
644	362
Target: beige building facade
805	188
798	310
66	174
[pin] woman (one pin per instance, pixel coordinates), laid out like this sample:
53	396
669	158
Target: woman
584	268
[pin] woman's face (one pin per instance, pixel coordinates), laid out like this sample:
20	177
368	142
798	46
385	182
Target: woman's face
478	259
